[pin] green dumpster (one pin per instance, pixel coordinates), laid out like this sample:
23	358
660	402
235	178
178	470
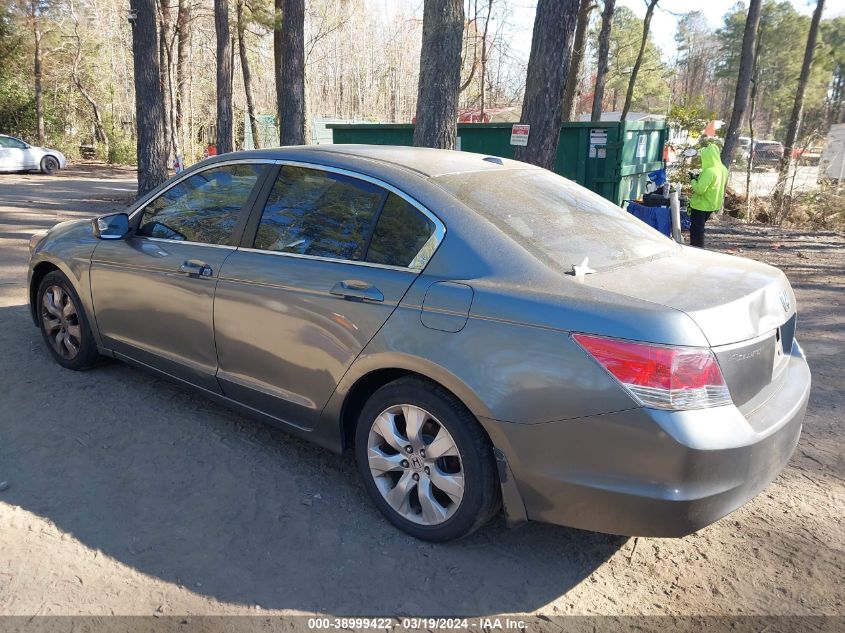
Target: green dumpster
611	158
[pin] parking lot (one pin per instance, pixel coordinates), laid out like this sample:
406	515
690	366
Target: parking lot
763	180
129	495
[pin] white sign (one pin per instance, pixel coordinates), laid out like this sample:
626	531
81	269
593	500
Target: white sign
519	134
458	143
598	136
592	151
602	152
641	145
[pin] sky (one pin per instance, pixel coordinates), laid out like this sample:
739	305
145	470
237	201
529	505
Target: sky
663	24
713	10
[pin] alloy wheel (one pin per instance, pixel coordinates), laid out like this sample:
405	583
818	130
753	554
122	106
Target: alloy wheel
415	464
50	164
60	318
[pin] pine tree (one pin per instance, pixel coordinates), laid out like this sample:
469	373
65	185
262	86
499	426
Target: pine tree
440	74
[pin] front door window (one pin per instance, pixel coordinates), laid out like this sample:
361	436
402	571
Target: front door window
203	208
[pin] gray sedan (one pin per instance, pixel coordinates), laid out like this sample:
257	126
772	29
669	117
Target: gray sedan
481	332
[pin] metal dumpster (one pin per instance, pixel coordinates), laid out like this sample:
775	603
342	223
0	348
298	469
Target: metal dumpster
611	158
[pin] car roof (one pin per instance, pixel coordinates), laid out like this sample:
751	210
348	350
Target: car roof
425	161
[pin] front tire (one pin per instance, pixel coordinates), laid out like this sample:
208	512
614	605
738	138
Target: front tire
426	462
49	165
63	323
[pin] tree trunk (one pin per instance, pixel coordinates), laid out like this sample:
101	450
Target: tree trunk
548	65
292	75
164	68
250	106
603	54
39	93
183	43
149	106
578	50
100	135
749	167
484	59
465	44
629	96
743	82
167	39
224	77
170	104
278	18
797	111
440	74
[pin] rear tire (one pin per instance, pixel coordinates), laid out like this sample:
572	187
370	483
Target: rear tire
49	165
426	462
63	323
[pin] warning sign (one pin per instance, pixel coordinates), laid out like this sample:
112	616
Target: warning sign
519	134
598	136
642	142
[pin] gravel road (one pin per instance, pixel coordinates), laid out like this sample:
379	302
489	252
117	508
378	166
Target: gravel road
129	495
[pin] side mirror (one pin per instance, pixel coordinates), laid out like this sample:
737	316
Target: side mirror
111	227
690	152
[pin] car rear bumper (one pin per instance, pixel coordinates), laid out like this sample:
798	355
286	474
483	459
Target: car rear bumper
643	472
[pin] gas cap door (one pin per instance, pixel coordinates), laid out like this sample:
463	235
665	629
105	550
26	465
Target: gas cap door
446	306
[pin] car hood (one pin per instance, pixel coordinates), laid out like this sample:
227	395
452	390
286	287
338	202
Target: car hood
731	299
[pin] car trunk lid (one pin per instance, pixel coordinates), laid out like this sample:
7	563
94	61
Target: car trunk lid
745	309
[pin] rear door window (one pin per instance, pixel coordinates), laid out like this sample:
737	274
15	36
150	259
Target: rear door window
319	213
403	235
204	207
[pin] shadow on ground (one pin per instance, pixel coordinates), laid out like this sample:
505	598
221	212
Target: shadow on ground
176	487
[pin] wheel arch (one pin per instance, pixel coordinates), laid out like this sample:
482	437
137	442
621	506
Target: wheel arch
41	270
367	376
50	155
371	373
76	276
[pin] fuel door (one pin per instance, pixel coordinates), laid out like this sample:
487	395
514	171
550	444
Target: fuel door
446	306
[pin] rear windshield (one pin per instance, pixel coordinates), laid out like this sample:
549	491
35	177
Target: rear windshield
557	220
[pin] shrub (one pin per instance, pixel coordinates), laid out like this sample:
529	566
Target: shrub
67	145
122	150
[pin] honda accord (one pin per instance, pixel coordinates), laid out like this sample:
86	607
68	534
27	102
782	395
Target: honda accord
482	333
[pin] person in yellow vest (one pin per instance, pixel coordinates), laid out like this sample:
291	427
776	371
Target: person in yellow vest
708	192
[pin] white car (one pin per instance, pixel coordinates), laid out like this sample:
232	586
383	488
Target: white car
15	155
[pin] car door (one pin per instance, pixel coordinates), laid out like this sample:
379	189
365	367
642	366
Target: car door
153	292
31	156
12	154
323	263
4	155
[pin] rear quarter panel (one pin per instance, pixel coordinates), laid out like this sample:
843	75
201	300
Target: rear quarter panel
501	370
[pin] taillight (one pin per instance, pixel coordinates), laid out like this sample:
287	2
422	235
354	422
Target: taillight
658	376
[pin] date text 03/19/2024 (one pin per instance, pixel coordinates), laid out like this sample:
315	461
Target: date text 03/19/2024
413	624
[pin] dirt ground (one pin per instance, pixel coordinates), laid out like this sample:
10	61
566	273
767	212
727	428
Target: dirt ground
129	495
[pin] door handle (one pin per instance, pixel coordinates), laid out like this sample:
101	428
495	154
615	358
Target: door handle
356	290
196	267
